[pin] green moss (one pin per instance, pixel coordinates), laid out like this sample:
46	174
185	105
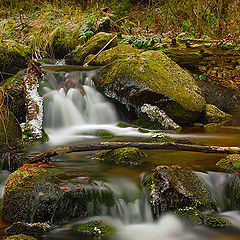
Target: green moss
15	79
13	56
214	115
20	237
147	183
160	137
92	46
34	229
128	155
96	228
119	52
10	132
153	73
217	222
104	134
231	162
199	217
29	136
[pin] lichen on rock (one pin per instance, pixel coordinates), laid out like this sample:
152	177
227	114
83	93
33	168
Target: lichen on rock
122	156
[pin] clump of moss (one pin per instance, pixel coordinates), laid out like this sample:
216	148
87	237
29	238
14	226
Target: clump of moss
95	228
199	217
34	229
128	155
105	134
29	136
20	237
160	137
231	162
217	222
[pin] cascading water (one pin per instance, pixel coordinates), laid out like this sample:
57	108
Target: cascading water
75	110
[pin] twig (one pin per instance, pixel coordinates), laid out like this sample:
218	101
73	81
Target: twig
86	64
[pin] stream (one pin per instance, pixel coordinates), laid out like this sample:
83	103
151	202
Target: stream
74	112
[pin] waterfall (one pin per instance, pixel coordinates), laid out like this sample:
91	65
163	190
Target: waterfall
74	110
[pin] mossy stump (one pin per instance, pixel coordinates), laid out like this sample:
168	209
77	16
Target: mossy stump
122	156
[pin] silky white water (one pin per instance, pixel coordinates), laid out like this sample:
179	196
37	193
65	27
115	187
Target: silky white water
74	110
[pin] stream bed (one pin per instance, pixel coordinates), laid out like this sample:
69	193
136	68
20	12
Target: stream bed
75	112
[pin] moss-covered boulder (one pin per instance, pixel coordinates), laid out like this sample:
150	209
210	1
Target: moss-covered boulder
199	217
152	117
95	228
13	56
212	114
122	156
151	77
32	229
119	52
174	187
37	193
10	132
20	237
92	46
230	163
160	137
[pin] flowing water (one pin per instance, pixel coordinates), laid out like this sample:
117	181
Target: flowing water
74	112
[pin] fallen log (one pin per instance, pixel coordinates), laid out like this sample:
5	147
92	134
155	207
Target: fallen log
142	145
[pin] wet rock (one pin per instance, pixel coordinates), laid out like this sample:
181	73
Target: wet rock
125	125
199	217
95	228
174	187
13	56
20	237
160	137
230	163
92	46
34	229
152	117
37	193
212	114
119	52
10	132
153	78
123	156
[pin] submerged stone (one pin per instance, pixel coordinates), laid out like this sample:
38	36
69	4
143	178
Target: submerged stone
172	188
152	117
92	46
212	114
95	228
128	155
160	137
10	132
20	237
153	78
36	193
231	162
34	229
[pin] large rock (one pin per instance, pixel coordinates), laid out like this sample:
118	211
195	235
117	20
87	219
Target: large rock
153	78
174	187
92	46
10	132
13	56
119	52
36	193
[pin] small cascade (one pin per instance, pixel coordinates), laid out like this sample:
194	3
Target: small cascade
3	176
75	110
